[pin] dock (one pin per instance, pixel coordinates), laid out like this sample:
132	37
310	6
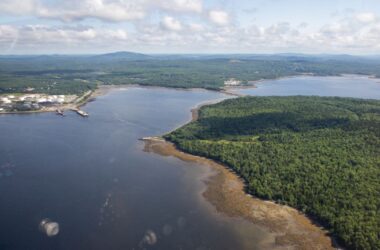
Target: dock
80	112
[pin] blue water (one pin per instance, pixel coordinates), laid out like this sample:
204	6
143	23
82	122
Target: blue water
93	178
346	86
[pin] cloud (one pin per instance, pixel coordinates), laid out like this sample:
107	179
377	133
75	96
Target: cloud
182	36
105	10
18	7
8	34
170	23
196	27
72	10
366	17
355	32
180	5
30	38
183	25
219	17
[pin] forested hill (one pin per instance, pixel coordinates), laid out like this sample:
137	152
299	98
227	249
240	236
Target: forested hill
318	154
58	74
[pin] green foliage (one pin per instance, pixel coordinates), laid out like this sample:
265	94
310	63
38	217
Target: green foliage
49	83
76	74
318	154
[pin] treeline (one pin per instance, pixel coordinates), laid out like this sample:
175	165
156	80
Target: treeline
76	74
45	83
318	154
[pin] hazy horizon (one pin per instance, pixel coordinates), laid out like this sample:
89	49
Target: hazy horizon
195	54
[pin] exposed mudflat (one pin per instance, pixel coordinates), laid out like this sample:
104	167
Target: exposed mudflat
225	191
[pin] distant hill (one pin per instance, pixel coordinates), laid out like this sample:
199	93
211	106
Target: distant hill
133	56
123	55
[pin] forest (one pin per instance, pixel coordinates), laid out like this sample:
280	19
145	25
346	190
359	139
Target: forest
320	155
58	74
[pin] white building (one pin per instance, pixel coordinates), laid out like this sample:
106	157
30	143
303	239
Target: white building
5	100
232	82
41	100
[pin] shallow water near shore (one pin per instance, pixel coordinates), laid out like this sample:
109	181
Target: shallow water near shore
93	177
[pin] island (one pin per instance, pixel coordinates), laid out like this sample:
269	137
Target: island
317	154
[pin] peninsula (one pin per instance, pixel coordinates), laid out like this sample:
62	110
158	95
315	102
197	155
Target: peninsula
317	154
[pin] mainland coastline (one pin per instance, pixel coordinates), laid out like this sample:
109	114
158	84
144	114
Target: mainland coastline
79	101
91	95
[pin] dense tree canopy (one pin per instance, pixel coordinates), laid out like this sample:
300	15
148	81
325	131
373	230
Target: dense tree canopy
77	74
318	154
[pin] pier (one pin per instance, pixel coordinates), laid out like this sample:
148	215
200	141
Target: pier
80	112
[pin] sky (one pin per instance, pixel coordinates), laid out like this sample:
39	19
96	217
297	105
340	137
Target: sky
190	26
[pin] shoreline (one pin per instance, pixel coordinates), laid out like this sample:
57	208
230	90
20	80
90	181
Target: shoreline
104	89
225	191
